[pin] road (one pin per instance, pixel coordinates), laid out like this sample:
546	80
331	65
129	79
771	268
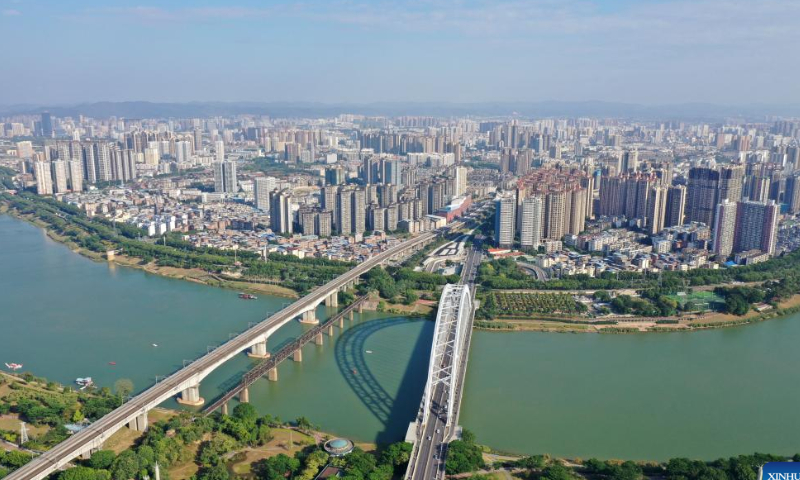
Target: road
537	271
93	436
431	448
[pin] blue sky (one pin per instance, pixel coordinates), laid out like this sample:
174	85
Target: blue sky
646	51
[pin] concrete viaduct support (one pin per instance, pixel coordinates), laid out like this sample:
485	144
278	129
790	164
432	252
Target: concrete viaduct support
244	395
191	396
297	356
332	300
139	424
318	339
310	317
272	374
259	350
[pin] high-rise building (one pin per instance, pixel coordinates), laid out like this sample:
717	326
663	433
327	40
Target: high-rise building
183	151
377	218
656	209
328	198
756	227
702	193
44	179
102	162
324	224
334	175
262	186
219	150
359	211
792	195
676	202
505	220
75	170
25	149
280	212
344	211
725	228
555	215
58	170
225	177
89	166
47	125
392	172
198	139
460	181
731	183
391	217
532	213
629	161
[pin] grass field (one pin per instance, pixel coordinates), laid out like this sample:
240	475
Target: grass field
704	300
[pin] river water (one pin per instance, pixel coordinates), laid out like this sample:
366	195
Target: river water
649	396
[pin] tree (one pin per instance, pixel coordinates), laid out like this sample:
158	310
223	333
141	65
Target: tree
602	296
464	455
102	459
531	462
16	458
83	473
276	468
123	387
303	423
246	413
211	451
215	472
263	434
397	454
126	466
557	472
313	463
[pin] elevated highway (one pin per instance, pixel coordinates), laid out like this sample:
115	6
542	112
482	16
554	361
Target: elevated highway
186	382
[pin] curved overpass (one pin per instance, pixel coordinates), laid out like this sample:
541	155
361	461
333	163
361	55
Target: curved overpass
187	380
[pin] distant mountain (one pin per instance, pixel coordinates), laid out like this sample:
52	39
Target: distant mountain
685	111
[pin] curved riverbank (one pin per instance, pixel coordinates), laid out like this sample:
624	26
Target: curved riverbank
638	324
195	275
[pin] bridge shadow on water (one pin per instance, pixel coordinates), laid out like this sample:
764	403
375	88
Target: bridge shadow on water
394	413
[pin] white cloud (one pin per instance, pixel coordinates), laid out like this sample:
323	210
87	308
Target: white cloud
10	12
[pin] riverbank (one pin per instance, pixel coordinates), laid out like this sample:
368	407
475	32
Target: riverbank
195	275
638	324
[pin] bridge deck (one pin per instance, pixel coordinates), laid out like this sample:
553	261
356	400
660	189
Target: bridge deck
278	357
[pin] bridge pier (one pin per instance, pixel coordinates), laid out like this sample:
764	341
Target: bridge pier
272	374
259	350
332	300
318	339
298	355
360	308
224	408
191	396
244	395
330	330
138	424
341	321
310	317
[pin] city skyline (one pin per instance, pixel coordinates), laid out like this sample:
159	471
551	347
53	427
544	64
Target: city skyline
453	51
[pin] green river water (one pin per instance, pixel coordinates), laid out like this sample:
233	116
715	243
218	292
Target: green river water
648	396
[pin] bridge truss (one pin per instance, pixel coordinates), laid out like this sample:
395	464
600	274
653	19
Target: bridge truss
451	330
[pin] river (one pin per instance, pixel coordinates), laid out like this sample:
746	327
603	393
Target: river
641	396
